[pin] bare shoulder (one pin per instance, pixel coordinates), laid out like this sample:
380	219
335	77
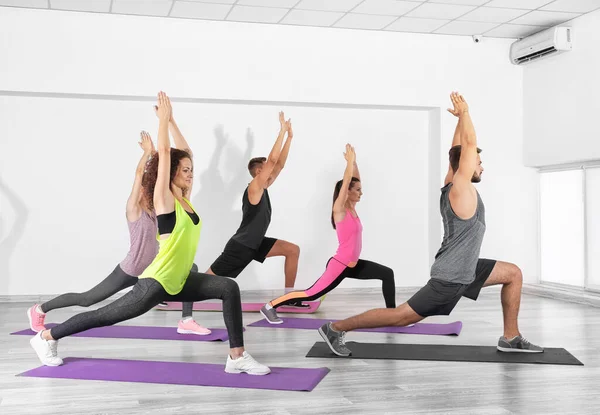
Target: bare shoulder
463	199
255	192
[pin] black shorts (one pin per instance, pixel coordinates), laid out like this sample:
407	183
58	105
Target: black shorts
438	297
237	256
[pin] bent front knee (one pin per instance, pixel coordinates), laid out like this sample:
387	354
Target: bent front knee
517	275
230	288
294	250
388	273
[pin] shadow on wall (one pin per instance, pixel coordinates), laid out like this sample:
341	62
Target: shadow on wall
10	235
219	200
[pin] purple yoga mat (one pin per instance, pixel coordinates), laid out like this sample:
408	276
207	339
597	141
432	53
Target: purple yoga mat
141	332
179	373
246	307
314	323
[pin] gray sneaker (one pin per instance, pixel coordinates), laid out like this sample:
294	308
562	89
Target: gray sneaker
270	315
335	340
519	345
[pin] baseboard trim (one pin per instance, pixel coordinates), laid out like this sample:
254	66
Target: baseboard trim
563	293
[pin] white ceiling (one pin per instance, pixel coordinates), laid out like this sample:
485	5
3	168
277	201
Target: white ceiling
491	18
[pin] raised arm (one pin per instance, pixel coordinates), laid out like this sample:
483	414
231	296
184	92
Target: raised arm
356	172
463	197
134	208
164	201
455	140
182	144
178	138
339	206
468	142
283	156
261	180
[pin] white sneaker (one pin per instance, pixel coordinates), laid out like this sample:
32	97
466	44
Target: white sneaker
46	350
247	364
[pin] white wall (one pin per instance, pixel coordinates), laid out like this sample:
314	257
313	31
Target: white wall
84	175
561	103
68	56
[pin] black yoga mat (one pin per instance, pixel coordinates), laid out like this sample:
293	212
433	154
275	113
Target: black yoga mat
449	353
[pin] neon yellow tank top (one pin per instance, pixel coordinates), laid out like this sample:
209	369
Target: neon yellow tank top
176	253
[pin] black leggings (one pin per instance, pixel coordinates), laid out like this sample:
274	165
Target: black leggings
335	273
148	292
117	280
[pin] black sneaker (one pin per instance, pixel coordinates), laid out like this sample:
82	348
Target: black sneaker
518	344
298	304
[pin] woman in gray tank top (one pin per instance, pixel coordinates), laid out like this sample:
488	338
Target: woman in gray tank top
141	221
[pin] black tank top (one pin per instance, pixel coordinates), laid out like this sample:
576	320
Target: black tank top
255	221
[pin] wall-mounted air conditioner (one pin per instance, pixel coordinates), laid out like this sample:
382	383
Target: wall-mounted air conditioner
546	43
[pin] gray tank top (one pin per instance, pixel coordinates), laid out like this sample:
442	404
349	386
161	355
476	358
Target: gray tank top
456	261
255	221
143	244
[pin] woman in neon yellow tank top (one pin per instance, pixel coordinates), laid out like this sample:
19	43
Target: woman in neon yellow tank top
168	179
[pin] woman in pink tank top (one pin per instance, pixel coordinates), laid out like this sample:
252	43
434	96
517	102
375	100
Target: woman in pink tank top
346	263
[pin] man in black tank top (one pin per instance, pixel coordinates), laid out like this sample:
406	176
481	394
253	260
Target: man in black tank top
250	242
457	271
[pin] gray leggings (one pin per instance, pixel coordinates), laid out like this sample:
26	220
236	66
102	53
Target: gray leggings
148	292
117	280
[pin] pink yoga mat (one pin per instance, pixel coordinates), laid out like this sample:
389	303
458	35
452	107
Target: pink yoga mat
179	373
314	323
246	307
141	332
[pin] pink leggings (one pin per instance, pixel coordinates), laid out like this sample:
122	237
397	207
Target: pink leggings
335	273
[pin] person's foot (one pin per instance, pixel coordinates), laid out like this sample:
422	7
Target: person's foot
298	304
246	364
335	340
518	344
46	350
270	315
163	304
189	326
36	318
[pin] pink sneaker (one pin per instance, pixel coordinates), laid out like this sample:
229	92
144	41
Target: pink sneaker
36	319
189	326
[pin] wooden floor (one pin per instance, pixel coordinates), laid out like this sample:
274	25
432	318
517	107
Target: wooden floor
352	386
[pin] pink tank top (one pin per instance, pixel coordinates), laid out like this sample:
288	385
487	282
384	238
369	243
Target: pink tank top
349	233
143	245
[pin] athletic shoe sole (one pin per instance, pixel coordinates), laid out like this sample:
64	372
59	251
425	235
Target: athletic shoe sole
511	350
238	371
180	331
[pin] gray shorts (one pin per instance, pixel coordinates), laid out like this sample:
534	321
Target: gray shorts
438	297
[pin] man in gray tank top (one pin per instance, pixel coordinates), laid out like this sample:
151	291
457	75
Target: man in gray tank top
457	270
250	242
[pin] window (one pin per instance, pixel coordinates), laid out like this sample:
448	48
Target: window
562	223
592	199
